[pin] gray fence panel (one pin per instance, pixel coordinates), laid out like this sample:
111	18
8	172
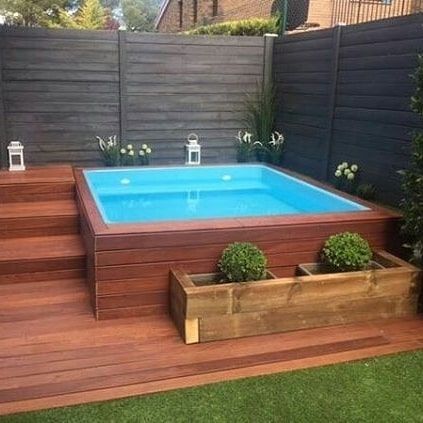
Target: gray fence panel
60	88
367	119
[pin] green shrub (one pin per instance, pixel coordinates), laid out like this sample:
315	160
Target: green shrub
366	191
247	27
412	204
347	252
243	262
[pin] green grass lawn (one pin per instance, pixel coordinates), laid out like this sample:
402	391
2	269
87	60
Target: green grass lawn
388	389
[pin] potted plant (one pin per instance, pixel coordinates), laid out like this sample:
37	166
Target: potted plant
130	157
350	289
245	147
347	177
344	252
240	262
110	150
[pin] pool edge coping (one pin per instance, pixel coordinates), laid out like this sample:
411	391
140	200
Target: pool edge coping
99	227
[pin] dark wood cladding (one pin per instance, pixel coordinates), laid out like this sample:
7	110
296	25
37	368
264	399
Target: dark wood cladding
128	265
344	95
61	88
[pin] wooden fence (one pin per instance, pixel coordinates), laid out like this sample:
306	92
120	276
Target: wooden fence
344	95
61	88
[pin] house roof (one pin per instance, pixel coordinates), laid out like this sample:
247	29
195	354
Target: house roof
163	9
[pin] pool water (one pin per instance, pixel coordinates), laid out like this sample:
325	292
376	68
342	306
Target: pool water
206	192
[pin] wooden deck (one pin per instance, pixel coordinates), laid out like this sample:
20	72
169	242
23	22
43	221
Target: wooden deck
54	353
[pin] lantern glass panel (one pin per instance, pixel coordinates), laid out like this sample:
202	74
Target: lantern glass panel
15	159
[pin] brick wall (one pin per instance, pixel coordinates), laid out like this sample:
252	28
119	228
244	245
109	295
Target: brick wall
320	12
169	21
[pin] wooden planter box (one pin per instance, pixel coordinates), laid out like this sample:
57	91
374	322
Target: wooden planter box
233	310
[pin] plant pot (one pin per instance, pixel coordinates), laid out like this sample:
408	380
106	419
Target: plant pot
205	311
207	279
324	269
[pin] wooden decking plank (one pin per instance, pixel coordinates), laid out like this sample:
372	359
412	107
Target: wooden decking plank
37	175
176	356
197	380
101	380
29	209
57	275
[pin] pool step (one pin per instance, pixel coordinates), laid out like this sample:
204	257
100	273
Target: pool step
39	226
41	258
38	218
48	183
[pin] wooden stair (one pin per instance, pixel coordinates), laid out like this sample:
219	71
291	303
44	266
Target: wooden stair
39	226
38	218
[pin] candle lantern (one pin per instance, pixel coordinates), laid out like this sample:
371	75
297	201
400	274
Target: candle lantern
193	150
16	157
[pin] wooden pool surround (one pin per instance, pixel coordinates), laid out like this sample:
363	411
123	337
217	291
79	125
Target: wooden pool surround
128	264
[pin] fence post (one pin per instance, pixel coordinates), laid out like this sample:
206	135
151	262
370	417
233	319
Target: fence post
3	133
122	86
269	40
336	43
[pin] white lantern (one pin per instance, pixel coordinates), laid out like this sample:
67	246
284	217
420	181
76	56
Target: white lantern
16	158
193	150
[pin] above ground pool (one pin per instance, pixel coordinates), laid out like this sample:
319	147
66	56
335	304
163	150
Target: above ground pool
207	192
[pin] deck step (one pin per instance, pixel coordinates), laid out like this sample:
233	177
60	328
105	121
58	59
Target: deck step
38	184
31	219
41	258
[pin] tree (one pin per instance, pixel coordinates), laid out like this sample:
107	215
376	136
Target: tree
33	12
139	15
91	15
111	23
412	203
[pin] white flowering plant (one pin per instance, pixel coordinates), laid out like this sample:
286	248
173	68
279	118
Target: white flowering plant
245	147
144	155
274	148
110	150
130	156
347	176
270	151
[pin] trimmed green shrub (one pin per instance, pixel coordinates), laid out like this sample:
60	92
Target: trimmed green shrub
246	27
412	185
243	262
347	252
366	191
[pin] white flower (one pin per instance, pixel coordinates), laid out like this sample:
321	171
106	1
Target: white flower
350	176
144	146
131	152
122	151
148	150
276	138
129	147
101	144
142	153
247	137
344	165
354	168
347	172
338	173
